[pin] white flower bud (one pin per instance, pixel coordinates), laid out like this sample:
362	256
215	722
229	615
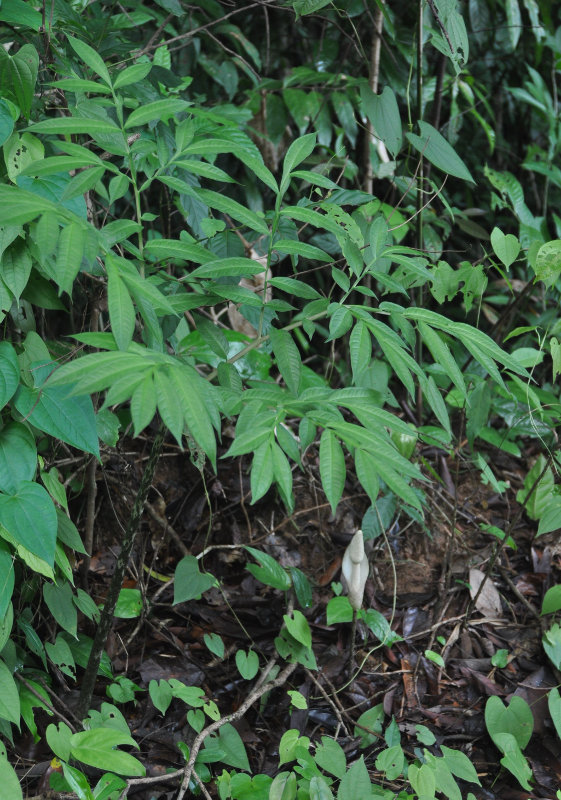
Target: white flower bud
355	570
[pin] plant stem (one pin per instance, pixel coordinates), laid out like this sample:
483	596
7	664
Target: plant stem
104	626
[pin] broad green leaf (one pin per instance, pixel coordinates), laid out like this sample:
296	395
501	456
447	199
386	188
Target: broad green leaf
89	56
83	182
303	7
159	110
436	149
283	787
459	764
8	777
20	206
233	748
547	264
71	419
247	664
143	404
355	782
18	456
16	268
18	75
319	790
506	248
367	473
331	757
269	570
550	520
29	516
59	599
215	644
360	349
9	697
95	748
515	719
17	12
372	720
554	705
189	581
161	695
332	467
166	398
295	287
288	358
339	609
60	654
298	628
513	760
552	600
383	113
7	582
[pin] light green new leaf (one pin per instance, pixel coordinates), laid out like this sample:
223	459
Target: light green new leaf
436	149
332	467
121	308
383	113
288	358
92	59
515	719
95	748
247	664
9	697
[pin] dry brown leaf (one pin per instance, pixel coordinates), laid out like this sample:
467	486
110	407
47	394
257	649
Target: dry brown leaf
489	600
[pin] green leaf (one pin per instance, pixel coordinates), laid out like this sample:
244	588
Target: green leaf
319	790
303	249
288	358
189	581
372	720
247	664
215	644
554	705
506	247
515	719
262	471
70	250
303	7
233	748
552	600
283	787
234	209
550	519
95	748
355	783
547	265
90	58
269	570
339	609
7	582
9	697
331	757
8	777
132	74
513	760
298	151
436	149
20	206
70	419
459	764
234	267
176	248
442	355
66	126
121	309
298	628
383	112
18	75
161	695
143	404
332	467
30	518
129	604
18	456
59	600
160	110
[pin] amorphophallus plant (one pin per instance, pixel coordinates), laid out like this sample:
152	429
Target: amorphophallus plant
355	570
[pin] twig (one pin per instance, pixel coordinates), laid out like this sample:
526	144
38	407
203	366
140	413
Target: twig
45	702
253	696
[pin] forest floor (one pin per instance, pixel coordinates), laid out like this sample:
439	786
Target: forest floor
419	580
